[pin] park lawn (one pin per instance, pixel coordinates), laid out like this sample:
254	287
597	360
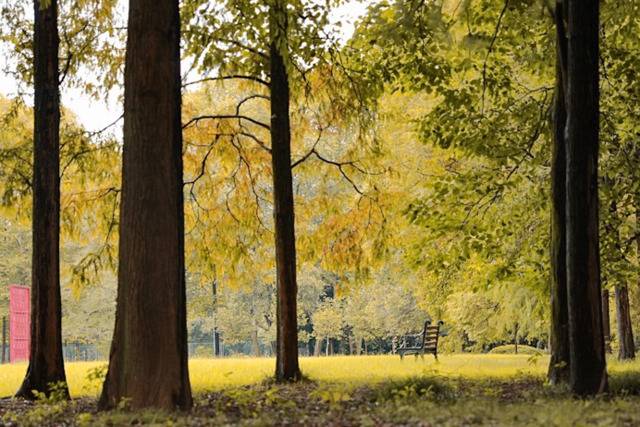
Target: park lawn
460	389
216	374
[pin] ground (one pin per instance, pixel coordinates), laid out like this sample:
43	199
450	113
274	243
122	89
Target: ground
343	391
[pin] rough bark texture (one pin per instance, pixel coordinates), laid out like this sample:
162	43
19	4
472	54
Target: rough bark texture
606	320
46	364
586	342
148	360
287	368
559	338
627	349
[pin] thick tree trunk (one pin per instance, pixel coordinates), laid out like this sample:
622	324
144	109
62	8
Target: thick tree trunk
586	342
606	321
148	361
558	372
287	368
627	350
46	364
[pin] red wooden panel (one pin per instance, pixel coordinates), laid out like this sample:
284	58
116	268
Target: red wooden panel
19	323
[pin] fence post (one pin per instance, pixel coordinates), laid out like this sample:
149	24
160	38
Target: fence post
4	338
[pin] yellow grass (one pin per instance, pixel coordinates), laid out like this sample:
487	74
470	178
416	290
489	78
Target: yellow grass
214	374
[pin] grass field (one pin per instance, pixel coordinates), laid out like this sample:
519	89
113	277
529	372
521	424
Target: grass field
494	389
217	374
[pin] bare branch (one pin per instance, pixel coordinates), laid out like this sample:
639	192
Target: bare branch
226	117
230	77
249	98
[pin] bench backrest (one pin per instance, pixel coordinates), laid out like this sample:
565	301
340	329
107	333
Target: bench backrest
430	335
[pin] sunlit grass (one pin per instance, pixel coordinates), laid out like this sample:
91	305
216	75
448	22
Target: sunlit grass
215	374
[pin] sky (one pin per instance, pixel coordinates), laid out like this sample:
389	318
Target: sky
94	115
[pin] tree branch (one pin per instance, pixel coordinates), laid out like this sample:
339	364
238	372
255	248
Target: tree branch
195	120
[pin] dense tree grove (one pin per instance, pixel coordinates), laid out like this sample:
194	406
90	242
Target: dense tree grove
283	187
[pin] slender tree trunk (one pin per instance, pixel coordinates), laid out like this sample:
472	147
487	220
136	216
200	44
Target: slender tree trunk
586	342
4	339
255	343
606	321
558	372
627	349
214	312
287	368
46	364
148	360
515	338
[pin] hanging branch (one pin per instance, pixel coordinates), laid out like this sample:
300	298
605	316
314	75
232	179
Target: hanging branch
490	50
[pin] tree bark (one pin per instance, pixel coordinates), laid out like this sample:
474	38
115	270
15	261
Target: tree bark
46	364
148	360
606	321
627	350
558	372
586	342
287	368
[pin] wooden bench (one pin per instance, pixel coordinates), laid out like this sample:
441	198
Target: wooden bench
423	343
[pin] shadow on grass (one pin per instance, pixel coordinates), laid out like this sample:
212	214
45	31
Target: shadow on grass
625	383
428	387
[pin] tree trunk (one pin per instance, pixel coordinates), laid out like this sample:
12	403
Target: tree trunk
558	372
46	364
606	321
4	339
515	338
255	343
148	360
287	368
586	342
214	313
627	349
